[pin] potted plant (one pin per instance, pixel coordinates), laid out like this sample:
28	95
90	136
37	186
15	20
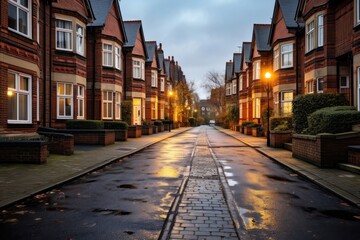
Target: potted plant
257	130
146	128
247	128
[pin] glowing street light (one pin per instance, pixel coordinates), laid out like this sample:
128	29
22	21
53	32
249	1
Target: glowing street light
268	78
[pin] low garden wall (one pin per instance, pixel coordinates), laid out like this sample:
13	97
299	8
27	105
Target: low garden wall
18	151
59	143
324	150
278	138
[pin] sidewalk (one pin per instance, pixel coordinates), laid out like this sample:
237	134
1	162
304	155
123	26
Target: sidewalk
18	181
340	182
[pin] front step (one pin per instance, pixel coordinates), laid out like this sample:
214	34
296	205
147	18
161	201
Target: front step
349	167
288	146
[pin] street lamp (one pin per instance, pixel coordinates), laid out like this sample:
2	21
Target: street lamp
268	78
170	108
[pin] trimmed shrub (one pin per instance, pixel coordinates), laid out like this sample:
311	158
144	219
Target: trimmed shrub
304	105
167	121
116	125
281	123
158	123
245	124
126	111
333	120
84	124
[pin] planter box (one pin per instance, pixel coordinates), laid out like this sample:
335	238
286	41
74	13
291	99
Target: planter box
155	129
146	130
278	138
257	132
247	130
59	143
32	151
324	150
134	131
121	134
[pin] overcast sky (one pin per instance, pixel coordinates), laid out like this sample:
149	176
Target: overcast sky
202	35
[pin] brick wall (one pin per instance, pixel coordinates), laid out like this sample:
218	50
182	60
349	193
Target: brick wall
31	152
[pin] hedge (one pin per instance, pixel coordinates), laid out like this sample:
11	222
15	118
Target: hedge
166	121
333	120
245	124
304	105
158	123
115	125
281	123
84	124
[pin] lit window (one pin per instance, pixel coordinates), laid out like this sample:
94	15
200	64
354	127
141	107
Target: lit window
310	86
286	55
234	87
319	85
64	100
257	108
286	102
162	111
19	98
241	83
81	102
320	33
107	105
153	78
256	70
117	105
240	111
19	16
64	35
107	55
276	103
310	36
117	58
276	59
162	84
79	40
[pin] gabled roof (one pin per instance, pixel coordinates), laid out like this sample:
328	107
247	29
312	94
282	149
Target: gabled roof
101	10
237	62
160	55
150	47
167	66
246	48
288	9
228	71
132	28
261	34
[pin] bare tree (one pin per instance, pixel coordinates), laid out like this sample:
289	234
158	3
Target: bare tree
215	84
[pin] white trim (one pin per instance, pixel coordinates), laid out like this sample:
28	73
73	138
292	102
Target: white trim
310	36
80	40
317	85
107	54
64	30
18	6
64	96
358	88
117	57
81	101
288	53
347	82
106	103
320	30
117	105
17	91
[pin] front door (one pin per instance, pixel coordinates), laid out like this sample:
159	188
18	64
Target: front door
137	111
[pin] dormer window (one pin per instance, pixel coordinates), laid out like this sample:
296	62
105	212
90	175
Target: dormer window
19	13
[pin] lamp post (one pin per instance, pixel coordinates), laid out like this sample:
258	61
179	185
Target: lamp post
170	108
268	78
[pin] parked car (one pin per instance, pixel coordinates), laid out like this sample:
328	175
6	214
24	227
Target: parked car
212	123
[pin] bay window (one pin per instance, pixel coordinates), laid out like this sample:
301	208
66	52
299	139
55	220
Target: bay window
117	105
256	70
310	36
107	55
320	33
162	84
234	86
81	102
257	108
64	35
79	40
19	16
107	110
319	85
286	102
153	79
117	58
19	98
276	59
64	101
241	83
286	55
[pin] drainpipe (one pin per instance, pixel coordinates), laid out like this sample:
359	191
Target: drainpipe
44	65
351	80
297	59
50	66
94	76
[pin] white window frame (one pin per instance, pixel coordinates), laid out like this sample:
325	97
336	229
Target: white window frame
107	105
320	30
358	88
117	54
153	110
27	10
68	47
64	96
286	101
117	105
287	54
318	80
256	70
162	84
234	87
136	69
276	59
16	92
154	79
81	102
240	83
310	36
240	110
107	54
80	40
347	82
162	111
276	103
228	89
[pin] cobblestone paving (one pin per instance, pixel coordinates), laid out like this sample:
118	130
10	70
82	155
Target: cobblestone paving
203	212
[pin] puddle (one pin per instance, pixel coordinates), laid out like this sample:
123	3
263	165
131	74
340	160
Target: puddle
128	186
232	182
167	172
111	212
278	178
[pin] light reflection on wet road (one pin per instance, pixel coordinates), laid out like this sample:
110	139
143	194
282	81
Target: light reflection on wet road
129	199
275	202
